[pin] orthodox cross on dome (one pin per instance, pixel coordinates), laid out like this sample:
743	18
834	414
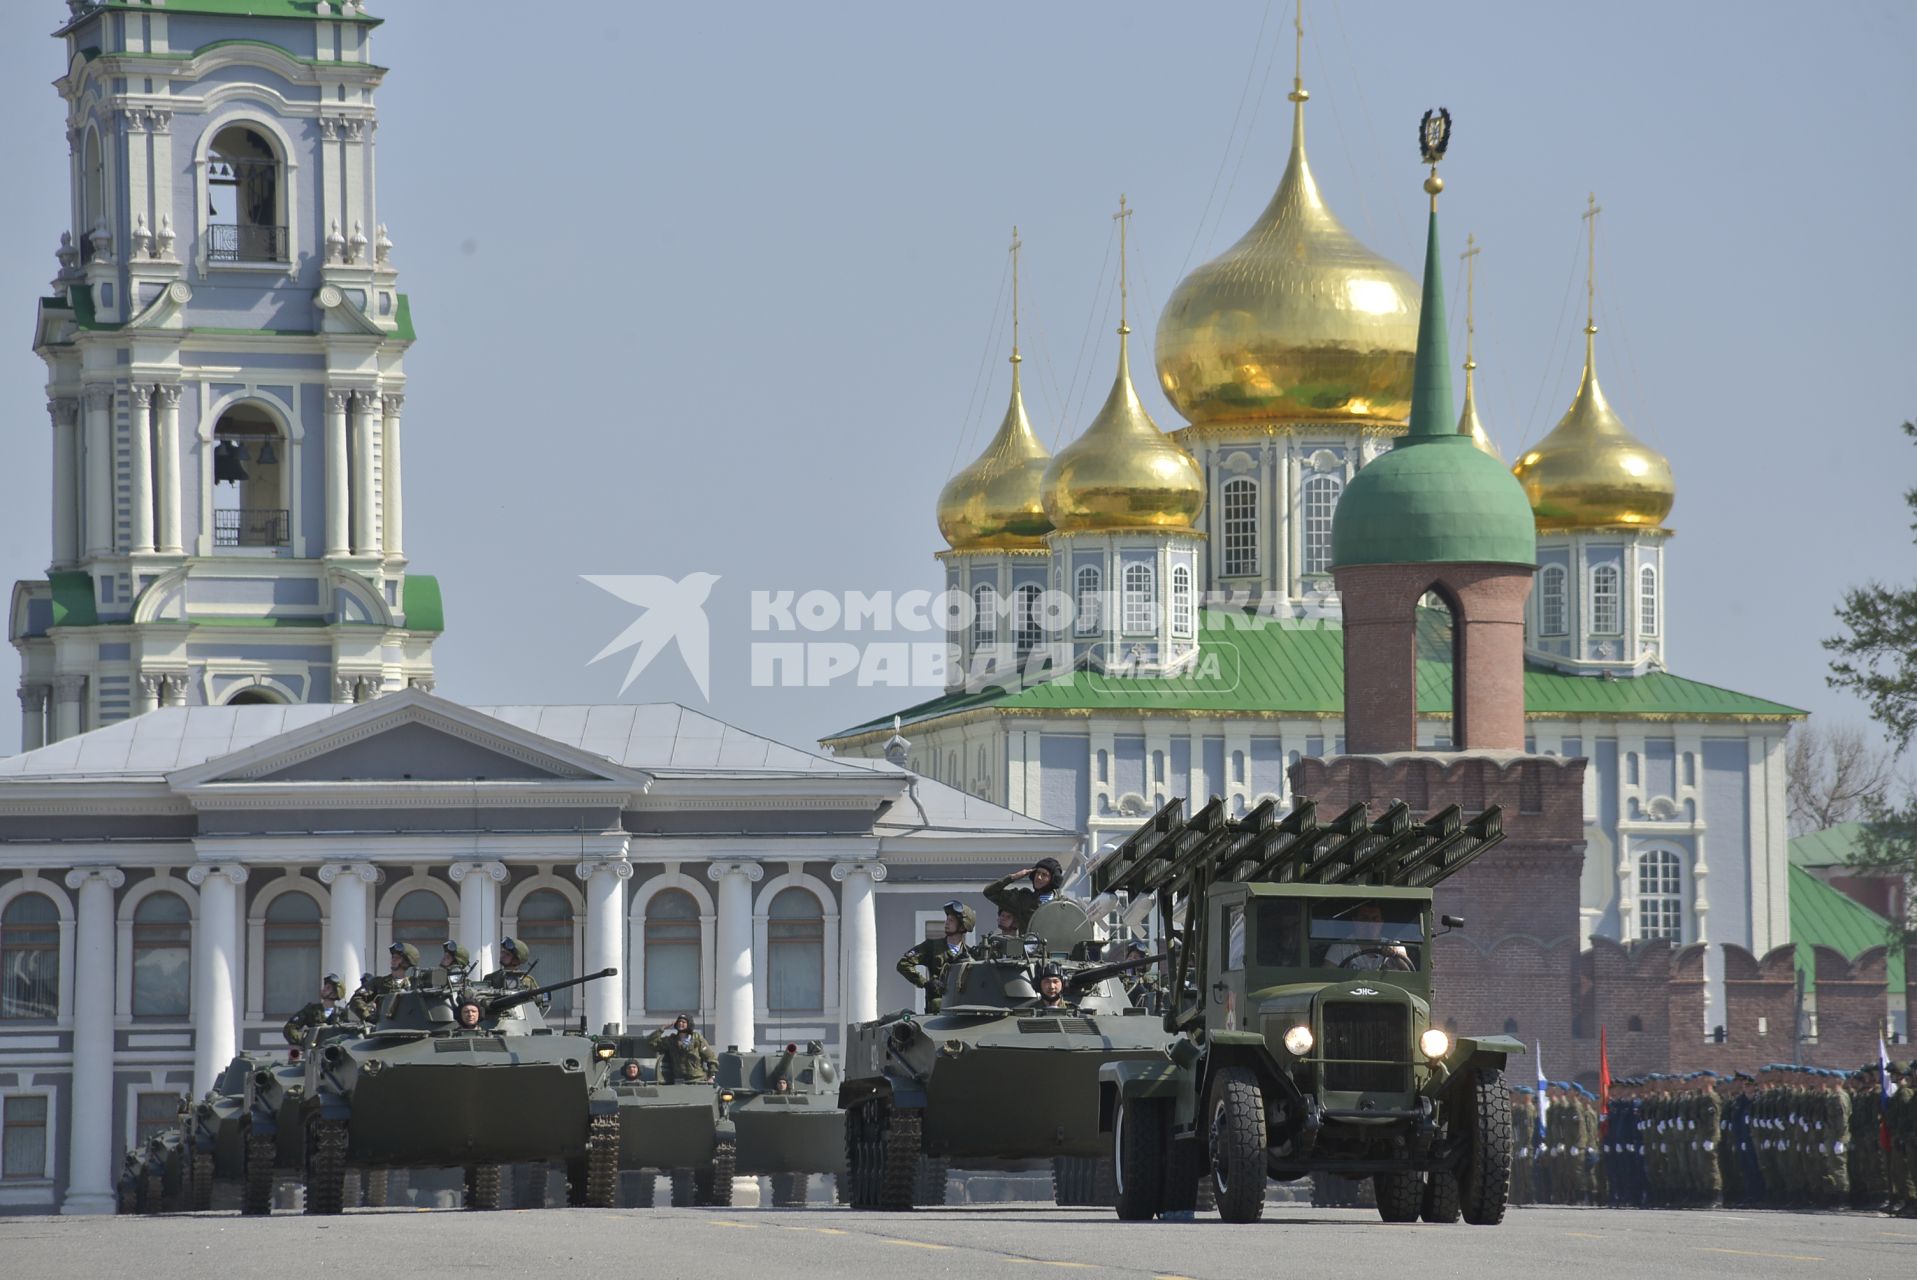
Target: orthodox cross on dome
1590	216
1469	258
1298	93
1017	244
1122	217
1434	135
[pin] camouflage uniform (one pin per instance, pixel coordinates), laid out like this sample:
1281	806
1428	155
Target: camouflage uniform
1524	1128
936	955
687	1056
1021	901
316	1014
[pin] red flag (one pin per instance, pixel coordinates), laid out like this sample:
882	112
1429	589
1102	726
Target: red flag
1604	1084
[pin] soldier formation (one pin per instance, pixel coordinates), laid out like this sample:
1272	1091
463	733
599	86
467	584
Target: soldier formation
1787	1137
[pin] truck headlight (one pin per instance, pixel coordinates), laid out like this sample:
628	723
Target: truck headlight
1434	1043
1298	1041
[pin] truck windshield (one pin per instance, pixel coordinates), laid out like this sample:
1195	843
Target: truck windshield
1367	934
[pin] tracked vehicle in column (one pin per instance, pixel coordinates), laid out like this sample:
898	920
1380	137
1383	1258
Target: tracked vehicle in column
992	1080
1300	997
785	1112
679	1128
419	1090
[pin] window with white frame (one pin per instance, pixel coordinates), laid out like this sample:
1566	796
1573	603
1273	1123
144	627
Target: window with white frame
1026	631
1604	600
1552	619
672	952
420	918
292	963
1320	504
1141	598
23	1137
1660	895
162	956
1240	527
1086	590
795	953
1647	601
30	958
545	926
1181	604
984	614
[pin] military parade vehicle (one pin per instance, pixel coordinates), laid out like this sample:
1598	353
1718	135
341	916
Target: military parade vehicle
785	1112
1300	995
680	1128
992	1080
417	1089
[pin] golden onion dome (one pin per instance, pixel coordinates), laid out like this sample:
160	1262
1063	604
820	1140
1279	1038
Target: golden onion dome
1468	422
1123	473
995	504
1591	472
1297	322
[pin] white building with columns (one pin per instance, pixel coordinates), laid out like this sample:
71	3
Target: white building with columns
172	887
224	343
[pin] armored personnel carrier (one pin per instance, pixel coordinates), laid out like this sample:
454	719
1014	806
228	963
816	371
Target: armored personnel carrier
992	1080
419	1089
785	1112
680	1128
1300	996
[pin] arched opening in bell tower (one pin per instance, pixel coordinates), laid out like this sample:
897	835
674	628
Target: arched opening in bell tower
245	217
92	192
250	507
1439	637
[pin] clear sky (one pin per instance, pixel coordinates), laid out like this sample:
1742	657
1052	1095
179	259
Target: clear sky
708	287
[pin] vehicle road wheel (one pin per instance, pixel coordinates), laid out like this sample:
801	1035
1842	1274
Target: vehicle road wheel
1237	1136
482	1186
256	1190
1440	1196
602	1162
1484	1180
1138	1159
1400	1195
202	1174
685	1192
325	1168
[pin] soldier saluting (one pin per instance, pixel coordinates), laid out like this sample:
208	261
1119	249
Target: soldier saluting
1046	877
327	1011
924	965
688	1057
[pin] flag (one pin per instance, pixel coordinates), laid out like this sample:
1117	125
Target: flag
1604	1084
1883	1095
1537	1048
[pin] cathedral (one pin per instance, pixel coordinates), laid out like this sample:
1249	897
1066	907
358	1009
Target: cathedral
1152	614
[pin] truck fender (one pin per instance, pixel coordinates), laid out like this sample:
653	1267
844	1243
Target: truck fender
1483	1051
1136	1080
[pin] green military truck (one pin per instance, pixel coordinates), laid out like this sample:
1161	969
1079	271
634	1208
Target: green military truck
1300	997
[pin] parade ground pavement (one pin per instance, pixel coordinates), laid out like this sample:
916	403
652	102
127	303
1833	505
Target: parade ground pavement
1029	1241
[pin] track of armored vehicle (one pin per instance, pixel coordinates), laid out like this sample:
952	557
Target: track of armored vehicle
679	1128
785	1111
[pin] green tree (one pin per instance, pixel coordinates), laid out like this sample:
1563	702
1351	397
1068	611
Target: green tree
1877	660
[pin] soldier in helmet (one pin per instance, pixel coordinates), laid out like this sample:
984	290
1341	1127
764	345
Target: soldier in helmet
1051	987
455	960
327	1011
687	1055
1047	879
924	965
468	1011
512	972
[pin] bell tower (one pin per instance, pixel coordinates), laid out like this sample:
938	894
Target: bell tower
224	343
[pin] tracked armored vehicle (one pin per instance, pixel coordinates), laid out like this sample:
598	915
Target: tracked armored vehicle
992	1080
680	1128
417	1089
785	1111
1300	995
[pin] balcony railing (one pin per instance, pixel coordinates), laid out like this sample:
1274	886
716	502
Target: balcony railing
250	527
230	242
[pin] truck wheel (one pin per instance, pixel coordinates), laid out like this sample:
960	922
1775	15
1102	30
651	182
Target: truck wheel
325	1167
1138	1159
1484	1181
1440	1196
1400	1195
1237	1137
256	1188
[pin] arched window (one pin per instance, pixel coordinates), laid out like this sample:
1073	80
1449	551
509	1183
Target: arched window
245	213
984	614
420	918
1320	504
249	480
795	946
30	958
1181	610
1551	619
1647	601
162	957
1660	896
92	193
672	952
292	962
256	696
545	926
1634	1024
1026	630
1141	598
1604	600
1240	527
1088	605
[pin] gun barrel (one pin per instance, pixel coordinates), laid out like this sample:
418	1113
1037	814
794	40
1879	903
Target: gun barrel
1100	972
514	999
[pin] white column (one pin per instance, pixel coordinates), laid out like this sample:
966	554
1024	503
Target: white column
859	937
216	948
605	881
365	414
389	461
173	692
99	467
66	481
338	483
140	465
91	1149
146	691
734	996
479	909
33	717
169	468
68	695
351	884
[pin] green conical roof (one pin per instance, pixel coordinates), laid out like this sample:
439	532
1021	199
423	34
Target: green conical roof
1436	498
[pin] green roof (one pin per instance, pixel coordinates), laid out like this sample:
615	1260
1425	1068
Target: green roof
419	601
403	319
73	602
1832	847
1266	667
1825	917
306	9
80	302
